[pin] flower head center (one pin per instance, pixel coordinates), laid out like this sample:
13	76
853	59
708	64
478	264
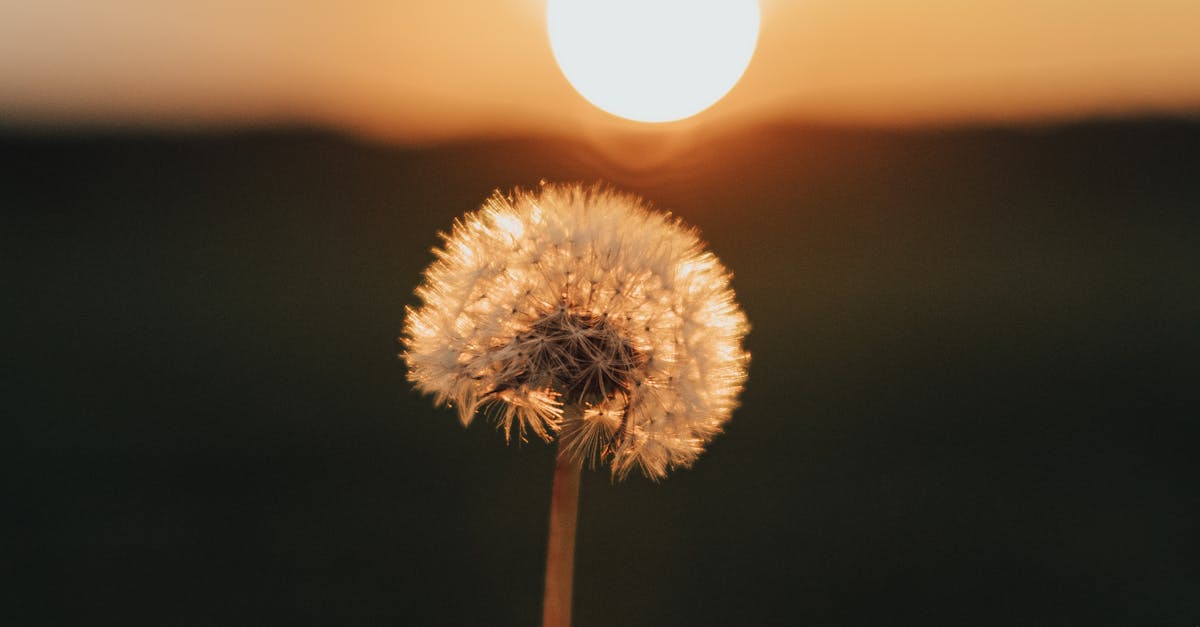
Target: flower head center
582	355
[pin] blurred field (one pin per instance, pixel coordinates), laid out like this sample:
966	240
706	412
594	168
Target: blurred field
973	398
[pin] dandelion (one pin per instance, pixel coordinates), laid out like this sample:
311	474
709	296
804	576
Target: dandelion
580	313
583	315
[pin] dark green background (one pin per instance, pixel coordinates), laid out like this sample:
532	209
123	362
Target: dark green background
973	395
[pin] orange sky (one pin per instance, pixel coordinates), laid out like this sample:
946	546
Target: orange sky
436	69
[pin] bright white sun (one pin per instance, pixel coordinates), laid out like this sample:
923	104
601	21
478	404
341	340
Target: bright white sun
653	60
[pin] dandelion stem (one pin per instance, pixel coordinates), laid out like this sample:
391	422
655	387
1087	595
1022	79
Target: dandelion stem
560	556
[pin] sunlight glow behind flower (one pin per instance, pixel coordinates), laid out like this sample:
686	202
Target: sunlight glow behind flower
653	60
581	314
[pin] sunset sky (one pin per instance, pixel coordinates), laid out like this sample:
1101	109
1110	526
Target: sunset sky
428	70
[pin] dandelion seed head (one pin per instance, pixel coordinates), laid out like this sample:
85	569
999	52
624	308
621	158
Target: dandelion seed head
582	314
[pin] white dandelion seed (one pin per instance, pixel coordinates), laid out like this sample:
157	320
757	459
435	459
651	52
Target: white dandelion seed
581	314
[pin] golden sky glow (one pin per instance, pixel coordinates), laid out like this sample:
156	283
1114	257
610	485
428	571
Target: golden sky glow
445	68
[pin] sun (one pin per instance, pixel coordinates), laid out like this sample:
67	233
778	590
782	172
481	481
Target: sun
653	60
